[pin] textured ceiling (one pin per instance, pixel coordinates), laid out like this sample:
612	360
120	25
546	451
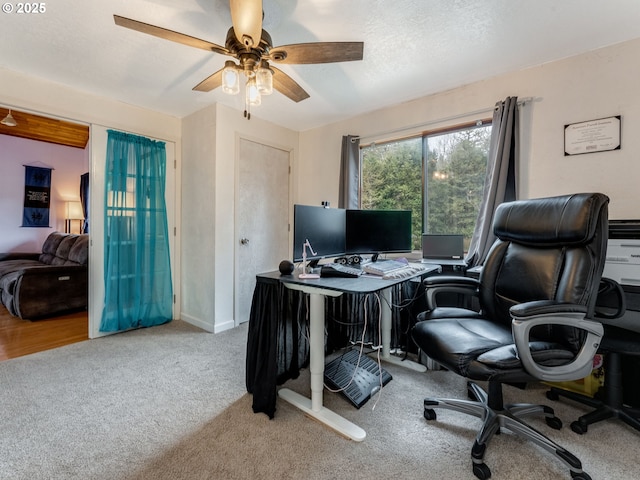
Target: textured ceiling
412	48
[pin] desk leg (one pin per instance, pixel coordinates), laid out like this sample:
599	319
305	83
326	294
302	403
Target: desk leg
385	325
313	406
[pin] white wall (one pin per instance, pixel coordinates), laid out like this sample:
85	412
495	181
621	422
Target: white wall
198	218
595	85
68	163
210	142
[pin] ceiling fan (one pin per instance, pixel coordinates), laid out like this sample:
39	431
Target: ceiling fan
252	47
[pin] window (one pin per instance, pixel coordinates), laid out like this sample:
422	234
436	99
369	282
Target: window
439	176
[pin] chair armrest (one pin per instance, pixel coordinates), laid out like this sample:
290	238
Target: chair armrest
536	308
448	284
529	315
608	288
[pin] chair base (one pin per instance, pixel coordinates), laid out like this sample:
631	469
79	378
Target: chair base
611	406
495	415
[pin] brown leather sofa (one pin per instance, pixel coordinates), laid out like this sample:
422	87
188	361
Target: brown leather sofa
40	285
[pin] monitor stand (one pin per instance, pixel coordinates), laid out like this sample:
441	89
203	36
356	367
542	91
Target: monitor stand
309	275
312	264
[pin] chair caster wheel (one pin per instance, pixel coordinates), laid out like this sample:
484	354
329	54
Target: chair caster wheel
554	422
579	428
429	414
551	395
481	471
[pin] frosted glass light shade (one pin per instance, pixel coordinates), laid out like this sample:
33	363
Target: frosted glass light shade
230	78
264	80
253	94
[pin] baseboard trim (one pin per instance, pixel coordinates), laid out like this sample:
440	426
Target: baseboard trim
217	328
228	325
197	322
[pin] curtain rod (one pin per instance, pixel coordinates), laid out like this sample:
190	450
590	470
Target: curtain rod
433	122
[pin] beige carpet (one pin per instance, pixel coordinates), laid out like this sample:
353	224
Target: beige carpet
169	403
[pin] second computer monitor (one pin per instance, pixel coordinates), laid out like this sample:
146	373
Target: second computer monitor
378	231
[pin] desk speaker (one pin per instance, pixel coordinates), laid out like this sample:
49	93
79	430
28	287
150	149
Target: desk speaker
286	267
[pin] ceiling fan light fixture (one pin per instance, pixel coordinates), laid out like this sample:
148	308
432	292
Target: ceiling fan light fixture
264	79
253	94
9	121
230	78
252	48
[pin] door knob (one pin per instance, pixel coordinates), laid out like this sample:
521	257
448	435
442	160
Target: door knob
244	241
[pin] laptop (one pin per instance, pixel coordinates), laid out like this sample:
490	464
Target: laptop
443	249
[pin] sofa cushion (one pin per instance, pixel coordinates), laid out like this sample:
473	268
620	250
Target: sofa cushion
50	246
65	249
62	253
79	253
9	266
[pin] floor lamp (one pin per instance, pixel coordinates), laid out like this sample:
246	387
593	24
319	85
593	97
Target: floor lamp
73	212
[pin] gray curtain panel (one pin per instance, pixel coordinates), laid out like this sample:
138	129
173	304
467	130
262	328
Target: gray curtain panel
348	196
501	180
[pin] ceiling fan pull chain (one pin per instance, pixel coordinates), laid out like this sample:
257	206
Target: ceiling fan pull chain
247	108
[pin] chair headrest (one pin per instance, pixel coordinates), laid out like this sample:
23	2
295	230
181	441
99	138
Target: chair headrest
567	219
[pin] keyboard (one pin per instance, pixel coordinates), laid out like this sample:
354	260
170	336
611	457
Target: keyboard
406	272
339	270
383	267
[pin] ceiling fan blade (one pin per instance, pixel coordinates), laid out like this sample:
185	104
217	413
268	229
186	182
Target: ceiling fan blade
210	83
319	52
246	16
288	86
169	35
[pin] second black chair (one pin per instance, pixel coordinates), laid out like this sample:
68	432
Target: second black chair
617	345
537	293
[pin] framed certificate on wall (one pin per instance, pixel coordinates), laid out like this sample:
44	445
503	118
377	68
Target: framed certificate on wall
593	136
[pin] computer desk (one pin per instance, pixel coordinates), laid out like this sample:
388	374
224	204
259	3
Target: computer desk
318	289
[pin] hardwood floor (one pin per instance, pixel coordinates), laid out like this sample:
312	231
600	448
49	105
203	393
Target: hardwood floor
22	337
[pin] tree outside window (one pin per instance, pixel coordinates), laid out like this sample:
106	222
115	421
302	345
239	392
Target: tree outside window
446	197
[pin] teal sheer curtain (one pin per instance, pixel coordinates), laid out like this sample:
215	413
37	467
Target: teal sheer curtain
137	270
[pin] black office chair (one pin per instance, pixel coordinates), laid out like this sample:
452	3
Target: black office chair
537	293
609	401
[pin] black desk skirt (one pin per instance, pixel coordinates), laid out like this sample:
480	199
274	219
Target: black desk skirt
278	339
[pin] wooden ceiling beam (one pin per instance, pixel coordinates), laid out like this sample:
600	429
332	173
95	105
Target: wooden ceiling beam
45	129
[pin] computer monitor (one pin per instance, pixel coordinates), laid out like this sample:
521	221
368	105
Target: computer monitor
323	227
378	231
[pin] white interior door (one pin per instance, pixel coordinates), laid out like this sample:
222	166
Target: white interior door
262	217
